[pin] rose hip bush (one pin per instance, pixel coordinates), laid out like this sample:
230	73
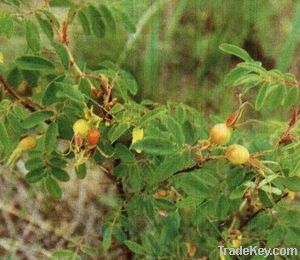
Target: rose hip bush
185	185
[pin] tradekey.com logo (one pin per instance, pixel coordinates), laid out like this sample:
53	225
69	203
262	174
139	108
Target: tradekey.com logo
255	250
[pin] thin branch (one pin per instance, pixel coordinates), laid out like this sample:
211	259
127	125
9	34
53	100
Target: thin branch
199	164
245	223
14	94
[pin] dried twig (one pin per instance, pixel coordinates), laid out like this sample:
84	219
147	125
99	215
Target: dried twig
14	94
287	136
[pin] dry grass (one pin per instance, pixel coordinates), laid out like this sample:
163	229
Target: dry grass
32	224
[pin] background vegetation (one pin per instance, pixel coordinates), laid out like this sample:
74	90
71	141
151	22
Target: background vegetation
176	53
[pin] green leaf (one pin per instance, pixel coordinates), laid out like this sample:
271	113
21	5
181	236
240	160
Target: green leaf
260	221
108	18
121	170
192	184
265	199
64	255
261	96
49	96
189	201
60	174
116	132
234	75
6	142
81	171
276	95
34	164
14	123
238	192
34	63
275	236
70	91
12	2
35	175
151	115
2	66
165	204
32	36
119	234
292	236
149	209
127	81
31	77
6	24
88	250
134	178
96	20
248	79
51	18
46	27
171	165
222	207
84	21
14	77
85	87
134	247
253	67
61	3
50	137
36	118
236	51
4	105
292	96
174	129
124	153
107	236
56	161
72	11
155	145
117	108
53	188
65	127
292	183
205	177
126	21
62	54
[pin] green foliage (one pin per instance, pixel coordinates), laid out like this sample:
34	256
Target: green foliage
34	63
175	189
276	87
6	24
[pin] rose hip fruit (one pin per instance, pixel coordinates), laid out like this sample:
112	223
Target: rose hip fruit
220	134
27	143
237	154
93	137
82	128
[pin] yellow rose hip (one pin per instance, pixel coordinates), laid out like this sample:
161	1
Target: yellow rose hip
220	134
82	128
237	154
27	143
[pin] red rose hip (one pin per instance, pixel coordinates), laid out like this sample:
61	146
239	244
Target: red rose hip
93	137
